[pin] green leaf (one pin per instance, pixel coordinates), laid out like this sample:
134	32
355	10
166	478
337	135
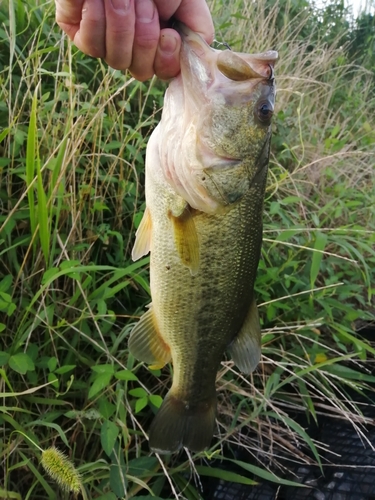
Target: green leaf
138	393
64	369
102	307
21	363
4	358
125	375
156	400
103	369
6	283
142	466
6	303
106	408
13	495
101	382
108	435
53	379
140	404
52	363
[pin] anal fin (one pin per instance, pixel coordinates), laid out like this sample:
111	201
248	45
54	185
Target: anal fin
246	347
146	343
142	237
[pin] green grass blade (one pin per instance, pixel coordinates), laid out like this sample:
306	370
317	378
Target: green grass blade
298	429
225	475
42	213
51	494
262	473
4	133
12	32
52	425
57	186
31	166
317	256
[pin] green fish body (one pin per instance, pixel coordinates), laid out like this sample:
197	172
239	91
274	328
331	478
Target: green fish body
206	170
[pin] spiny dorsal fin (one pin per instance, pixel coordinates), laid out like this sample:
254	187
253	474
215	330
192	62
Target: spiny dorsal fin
146	344
143	237
245	348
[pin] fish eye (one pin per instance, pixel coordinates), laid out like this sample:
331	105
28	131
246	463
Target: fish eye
264	112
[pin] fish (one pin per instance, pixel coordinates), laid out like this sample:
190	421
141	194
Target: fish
206	172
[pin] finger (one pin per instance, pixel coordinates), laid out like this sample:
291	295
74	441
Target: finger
120	29
146	39
194	13
167	59
90	37
68	15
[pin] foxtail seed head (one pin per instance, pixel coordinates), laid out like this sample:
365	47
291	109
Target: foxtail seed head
61	470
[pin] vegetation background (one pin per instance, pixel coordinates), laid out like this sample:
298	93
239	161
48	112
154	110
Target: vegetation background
73	135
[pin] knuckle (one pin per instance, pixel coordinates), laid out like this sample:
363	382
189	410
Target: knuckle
146	41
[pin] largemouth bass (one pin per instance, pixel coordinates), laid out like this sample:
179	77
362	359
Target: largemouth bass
206	169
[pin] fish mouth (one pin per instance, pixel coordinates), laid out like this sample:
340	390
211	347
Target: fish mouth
235	66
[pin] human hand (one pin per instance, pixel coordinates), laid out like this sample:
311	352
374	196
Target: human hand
129	34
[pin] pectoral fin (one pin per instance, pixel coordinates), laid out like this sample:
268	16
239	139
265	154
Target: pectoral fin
185	236
245	348
146	343
142	237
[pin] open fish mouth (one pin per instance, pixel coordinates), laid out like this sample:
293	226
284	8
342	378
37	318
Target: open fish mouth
236	66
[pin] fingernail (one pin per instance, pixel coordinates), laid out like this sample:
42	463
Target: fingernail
145	10
121	5
168	43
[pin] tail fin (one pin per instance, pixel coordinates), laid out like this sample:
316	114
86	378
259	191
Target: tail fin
179	423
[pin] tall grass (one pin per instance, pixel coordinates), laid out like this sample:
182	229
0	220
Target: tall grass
72	140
